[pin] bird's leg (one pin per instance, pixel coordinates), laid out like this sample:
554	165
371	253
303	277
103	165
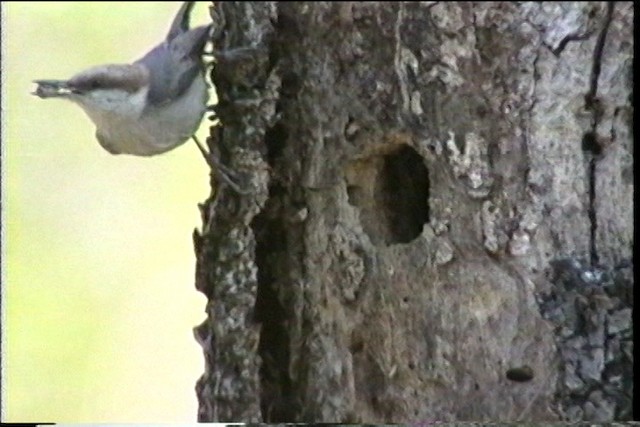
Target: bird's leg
224	173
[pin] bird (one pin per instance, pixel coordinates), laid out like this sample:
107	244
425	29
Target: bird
150	106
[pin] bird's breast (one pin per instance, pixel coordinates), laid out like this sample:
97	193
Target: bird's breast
156	129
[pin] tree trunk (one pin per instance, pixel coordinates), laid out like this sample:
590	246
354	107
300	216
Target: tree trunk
436	213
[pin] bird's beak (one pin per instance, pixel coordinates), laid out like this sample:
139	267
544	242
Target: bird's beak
52	88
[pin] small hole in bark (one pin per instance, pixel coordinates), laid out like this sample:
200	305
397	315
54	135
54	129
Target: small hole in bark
520	374
357	346
590	143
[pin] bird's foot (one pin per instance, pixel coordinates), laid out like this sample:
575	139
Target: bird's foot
223	173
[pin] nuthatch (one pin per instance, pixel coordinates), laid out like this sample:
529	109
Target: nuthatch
150	106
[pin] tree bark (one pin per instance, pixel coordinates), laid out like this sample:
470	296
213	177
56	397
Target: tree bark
436	216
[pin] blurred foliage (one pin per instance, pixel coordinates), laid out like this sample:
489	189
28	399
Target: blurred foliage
98	264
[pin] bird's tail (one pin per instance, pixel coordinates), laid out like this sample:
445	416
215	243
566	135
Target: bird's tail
180	23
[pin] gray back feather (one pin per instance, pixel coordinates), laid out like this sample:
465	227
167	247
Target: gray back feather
175	63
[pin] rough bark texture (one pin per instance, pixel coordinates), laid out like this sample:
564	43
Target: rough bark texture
438	217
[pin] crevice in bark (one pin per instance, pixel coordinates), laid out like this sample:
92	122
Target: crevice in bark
277	402
565	41
590	145
597	55
275	384
275	139
590	141
392	194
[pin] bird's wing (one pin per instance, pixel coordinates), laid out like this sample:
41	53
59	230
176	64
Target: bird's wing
174	64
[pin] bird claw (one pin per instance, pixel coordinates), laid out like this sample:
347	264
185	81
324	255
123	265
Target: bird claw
223	173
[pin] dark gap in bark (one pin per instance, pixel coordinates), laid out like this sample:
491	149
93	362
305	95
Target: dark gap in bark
404	185
275	139
597	54
391	192
589	142
276	391
593	217
520	374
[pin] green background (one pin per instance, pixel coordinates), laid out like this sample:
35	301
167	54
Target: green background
98	263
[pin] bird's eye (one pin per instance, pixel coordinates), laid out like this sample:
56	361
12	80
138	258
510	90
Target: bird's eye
94	84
